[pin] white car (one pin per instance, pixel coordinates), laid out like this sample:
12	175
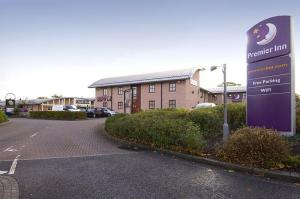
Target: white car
205	105
57	108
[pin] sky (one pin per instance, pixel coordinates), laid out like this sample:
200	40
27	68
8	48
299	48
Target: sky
62	46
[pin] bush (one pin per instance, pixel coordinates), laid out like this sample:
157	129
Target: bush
152	128
256	147
3	117
292	161
209	122
236	115
58	115
168	113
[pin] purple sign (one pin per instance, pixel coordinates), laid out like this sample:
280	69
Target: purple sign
269	38
269	94
237	97
270	89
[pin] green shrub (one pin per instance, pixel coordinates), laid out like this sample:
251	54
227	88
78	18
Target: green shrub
236	115
292	161
3	117
209	122
256	147
156	130
168	113
58	115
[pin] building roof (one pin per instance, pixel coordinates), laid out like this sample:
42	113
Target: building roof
146	78
230	89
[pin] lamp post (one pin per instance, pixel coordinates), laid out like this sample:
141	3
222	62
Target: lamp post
225	125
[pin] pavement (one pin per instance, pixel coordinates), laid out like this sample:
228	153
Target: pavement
74	159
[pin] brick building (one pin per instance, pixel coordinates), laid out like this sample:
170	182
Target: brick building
169	89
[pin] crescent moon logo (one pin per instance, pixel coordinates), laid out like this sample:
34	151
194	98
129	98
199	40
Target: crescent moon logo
237	97
271	33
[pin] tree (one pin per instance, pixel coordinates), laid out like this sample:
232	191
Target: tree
42	97
229	84
56	96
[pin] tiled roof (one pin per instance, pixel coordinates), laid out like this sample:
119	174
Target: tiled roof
230	89
146	78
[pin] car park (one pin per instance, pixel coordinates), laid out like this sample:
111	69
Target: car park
100	112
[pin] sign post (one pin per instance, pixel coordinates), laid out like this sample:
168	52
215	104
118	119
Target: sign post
270	75
10	104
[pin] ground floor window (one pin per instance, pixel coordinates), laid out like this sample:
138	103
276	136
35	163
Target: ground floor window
151	104
120	105
172	103
104	104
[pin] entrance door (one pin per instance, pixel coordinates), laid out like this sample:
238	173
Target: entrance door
136	99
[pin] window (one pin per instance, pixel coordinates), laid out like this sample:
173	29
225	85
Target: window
152	88
105	91
172	87
104	104
120	91
172	103
151	104
120	105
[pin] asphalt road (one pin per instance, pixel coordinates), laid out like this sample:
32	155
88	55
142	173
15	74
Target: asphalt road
59	159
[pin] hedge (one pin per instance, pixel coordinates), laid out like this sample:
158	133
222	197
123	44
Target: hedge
58	115
3	117
162	129
210	120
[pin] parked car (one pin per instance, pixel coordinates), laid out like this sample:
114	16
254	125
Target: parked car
71	108
107	112
205	105
100	112
57	108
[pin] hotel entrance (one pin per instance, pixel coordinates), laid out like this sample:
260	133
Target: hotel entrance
136	99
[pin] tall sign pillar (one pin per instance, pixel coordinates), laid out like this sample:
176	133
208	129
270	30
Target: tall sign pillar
271	75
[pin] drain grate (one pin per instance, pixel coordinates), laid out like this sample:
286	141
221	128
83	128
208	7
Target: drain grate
130	148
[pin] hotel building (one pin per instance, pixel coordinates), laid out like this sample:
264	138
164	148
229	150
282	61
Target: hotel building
169	89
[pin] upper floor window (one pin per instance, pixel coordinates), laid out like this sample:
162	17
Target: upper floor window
120	91
105	91
172	87
152	88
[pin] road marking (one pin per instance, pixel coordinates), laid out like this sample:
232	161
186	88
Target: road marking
34	134
13	166
10	149
3	172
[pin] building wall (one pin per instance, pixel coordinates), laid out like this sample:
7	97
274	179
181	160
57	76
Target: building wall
146	96
218	98
192	91
187	95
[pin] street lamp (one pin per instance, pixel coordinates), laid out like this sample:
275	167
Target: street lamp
225	125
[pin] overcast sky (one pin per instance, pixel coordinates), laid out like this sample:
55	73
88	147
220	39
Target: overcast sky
62	46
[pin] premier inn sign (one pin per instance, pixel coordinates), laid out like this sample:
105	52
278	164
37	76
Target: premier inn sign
270	75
